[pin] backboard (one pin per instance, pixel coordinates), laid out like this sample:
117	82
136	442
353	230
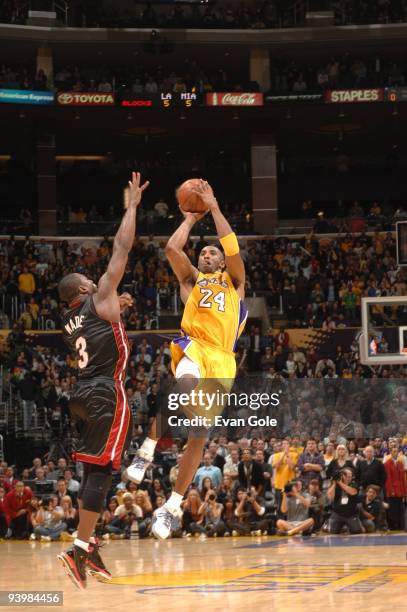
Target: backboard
384	330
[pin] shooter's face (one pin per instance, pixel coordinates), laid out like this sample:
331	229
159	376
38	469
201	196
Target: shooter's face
210	260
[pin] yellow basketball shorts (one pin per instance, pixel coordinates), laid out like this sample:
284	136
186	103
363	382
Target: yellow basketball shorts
212	362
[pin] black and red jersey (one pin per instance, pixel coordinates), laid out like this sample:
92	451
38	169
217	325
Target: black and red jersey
102	348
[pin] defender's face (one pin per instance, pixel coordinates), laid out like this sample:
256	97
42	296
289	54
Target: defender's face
87	286
210	260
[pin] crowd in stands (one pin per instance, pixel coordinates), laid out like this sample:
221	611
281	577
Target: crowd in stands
207	14
14	11
318	281
22	77
212	14
190	76
244	487
345	72
373	11
288	75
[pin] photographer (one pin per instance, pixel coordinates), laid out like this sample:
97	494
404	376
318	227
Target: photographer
250	508
48	522
125	515
296	506
212	512
343	494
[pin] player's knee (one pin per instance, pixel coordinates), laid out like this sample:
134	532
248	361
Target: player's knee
97	485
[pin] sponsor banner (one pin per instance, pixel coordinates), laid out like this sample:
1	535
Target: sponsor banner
82	98
294	98
234	99
396	94
343	96
166	100
23	96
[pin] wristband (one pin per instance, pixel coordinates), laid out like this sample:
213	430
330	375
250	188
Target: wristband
230	244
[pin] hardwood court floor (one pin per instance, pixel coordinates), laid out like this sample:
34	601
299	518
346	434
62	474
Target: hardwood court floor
256	573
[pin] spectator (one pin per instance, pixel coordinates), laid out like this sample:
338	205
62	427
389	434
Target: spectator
192	517
210	470
17	510
106	526
283	464
250	472
72	485
310	463
142	500
231	467
62	491
26	284
370	510
343	494
3	518
71	516
371	470
341	461
295	505
161	208
396	489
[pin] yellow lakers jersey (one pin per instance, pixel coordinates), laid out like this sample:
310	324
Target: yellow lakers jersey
214	312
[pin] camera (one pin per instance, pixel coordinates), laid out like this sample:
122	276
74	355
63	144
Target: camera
337	476
212	497
288	489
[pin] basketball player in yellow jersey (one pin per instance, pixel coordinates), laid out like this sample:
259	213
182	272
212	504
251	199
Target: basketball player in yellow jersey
214	318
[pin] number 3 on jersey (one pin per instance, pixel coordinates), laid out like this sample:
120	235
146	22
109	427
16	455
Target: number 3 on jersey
80	346
219	299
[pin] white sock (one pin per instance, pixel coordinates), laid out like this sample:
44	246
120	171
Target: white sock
147	449
81	544
92	540
174	502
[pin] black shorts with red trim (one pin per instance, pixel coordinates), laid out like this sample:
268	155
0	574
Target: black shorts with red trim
104	421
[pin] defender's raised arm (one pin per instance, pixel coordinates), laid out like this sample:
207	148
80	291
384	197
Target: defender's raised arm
107	286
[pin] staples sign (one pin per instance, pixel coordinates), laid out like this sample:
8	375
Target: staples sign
234	99
354	95
73	98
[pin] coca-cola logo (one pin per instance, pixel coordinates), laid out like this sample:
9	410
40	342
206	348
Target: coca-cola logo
235	99
240	100
85	99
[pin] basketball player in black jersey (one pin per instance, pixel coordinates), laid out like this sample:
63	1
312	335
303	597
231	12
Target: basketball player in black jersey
93	329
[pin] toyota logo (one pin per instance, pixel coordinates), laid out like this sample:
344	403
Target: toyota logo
65	98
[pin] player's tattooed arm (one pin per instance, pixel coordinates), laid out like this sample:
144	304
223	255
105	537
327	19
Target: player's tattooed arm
234	263
182	266
106	299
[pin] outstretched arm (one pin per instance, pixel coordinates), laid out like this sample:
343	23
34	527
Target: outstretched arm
234	263
183	269
106	299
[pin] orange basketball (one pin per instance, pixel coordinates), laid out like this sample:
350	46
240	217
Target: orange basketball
187	199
